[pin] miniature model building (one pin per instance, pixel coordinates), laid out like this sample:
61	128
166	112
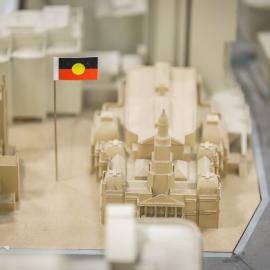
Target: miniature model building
9	163
175	150
29	39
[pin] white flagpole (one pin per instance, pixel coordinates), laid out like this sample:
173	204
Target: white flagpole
5	120
55	132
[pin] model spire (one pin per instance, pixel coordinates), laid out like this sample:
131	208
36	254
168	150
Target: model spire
163	124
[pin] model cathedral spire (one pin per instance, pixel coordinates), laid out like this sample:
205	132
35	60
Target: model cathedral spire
161	176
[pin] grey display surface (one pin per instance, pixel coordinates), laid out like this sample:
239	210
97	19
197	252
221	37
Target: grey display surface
255	253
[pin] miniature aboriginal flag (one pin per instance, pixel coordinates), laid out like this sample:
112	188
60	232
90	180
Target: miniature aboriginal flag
72	68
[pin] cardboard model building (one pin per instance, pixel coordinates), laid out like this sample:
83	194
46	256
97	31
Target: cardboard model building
9	163
175	150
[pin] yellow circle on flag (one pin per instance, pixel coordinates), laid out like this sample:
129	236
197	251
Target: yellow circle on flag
78	69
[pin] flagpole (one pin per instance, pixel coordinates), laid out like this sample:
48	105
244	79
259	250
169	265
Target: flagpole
5	120
55	132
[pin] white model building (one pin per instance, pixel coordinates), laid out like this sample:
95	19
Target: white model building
30	39
174	152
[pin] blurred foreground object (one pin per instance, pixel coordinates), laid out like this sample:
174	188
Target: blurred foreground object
161	244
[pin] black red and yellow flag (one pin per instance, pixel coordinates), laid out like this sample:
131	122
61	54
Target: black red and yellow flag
73	68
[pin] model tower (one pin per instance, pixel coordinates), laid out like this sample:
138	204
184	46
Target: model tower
161	178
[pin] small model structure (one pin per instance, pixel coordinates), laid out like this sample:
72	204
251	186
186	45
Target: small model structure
9	163
29	39
175	151
161	244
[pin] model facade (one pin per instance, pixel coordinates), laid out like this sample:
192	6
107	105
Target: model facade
174	151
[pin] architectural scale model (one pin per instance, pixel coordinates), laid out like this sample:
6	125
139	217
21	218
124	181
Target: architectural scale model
164	146
9	162
174	152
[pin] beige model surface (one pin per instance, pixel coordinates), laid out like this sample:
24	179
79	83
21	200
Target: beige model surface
9	163
160	243
177	151
62	209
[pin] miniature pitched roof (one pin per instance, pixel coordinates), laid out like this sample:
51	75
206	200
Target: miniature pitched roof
162	121
143	105
160	200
